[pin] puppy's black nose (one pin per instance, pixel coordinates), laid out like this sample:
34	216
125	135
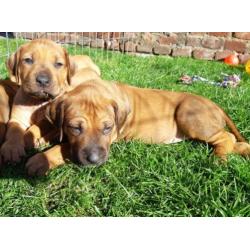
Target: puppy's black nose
93	157
43	79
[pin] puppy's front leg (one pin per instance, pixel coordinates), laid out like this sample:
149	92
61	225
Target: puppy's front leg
4	116
41	163
7	92
40	134
12	149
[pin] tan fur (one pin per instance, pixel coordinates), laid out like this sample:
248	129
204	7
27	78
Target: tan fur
35	136
40	163
83	75
47	58
153	116
8	90
79	62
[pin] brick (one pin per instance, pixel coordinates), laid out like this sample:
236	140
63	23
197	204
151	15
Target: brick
244	58
43	35
128	34
181	38
89	34
83	40
145	41
112	45
85	34
242	35
181	33
147	37
220	34
16	34
220	55
115	45
146	48
103	35
128	46
97	43
70	38
167	40
182	52
193	41
162	50
107	44
198	33
248	48
203	54
60	37
115	34
164	33
238	46
212	42
27	35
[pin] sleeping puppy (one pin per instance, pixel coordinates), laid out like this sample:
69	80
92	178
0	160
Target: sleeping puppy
95	114
82	69
36	136
42	69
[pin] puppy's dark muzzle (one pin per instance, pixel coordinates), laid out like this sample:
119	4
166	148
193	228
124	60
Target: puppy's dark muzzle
43	80
93	156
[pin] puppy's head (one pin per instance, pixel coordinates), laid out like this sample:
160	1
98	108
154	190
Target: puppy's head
41	67
79	62
91	117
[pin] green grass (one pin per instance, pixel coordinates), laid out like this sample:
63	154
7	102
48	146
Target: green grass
181	179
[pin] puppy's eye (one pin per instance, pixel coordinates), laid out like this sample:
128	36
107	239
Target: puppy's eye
28	60
75	130
58	65
107	130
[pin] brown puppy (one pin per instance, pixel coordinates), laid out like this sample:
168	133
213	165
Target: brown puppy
82	69
42	69
97	113
83	75
8	90
42	132
79	62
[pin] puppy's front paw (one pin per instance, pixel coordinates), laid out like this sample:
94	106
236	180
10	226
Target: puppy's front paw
37	165
12	152
31	143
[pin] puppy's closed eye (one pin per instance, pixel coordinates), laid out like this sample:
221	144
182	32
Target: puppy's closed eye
58	65
107	129
75	130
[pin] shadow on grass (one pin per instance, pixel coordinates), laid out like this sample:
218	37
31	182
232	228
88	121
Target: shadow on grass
18	171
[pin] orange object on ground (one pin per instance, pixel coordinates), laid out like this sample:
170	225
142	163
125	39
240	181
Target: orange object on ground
231	60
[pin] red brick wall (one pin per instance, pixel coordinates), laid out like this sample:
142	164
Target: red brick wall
201	45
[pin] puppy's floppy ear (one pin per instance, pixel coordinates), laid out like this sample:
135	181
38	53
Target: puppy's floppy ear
12	64
121	110
69	73
55	114
73	66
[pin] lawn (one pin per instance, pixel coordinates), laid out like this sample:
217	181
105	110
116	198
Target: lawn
181	179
